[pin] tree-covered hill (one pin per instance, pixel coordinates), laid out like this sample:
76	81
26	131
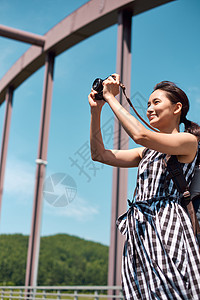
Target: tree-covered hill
64	260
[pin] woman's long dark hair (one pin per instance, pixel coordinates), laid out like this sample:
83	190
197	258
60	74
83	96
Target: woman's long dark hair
175	94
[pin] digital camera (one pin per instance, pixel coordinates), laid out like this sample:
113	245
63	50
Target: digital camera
98	87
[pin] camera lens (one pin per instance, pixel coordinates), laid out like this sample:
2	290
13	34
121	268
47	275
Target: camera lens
98	87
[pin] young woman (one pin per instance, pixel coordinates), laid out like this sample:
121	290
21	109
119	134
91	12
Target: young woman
161	257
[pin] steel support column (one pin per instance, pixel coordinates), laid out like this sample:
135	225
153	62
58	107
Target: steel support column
5	138
120	175
34	239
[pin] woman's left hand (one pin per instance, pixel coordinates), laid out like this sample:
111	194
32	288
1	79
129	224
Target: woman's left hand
111	86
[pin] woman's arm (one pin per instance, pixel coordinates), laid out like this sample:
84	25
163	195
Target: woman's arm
117	158
184	145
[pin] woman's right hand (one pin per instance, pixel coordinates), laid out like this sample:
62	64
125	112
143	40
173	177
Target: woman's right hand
95	104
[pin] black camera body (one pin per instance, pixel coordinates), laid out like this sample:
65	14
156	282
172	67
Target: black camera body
98	87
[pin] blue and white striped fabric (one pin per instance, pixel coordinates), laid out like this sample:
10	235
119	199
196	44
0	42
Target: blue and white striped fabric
161	257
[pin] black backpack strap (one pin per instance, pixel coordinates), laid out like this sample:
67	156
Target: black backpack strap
198	155
176	174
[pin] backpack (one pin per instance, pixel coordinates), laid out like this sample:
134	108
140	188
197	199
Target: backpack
195	188
190	199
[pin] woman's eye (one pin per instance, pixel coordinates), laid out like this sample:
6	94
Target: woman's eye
156	101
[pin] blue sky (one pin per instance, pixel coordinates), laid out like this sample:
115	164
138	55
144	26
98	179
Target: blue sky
165	46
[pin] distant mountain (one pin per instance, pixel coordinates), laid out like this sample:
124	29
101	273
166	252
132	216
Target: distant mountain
64	260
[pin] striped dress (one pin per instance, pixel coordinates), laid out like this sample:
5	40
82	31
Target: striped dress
161	257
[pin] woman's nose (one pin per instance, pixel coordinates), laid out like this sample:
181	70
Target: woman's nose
150	108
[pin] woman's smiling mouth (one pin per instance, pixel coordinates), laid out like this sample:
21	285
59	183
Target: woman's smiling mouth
151	117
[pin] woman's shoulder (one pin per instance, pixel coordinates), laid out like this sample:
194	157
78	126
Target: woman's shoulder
188	138
193	145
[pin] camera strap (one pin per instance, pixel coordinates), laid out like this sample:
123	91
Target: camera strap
130	103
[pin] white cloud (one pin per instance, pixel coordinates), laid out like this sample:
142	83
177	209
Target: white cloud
79	209
19	180
19	186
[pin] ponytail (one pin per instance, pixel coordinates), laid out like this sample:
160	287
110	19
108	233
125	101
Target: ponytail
192	127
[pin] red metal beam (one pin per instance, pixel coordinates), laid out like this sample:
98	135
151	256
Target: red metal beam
22	36
120	175
89	19
34	239
5	139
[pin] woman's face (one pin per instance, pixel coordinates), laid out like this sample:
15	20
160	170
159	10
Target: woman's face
160	111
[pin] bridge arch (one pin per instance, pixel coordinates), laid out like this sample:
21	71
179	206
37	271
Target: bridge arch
89	19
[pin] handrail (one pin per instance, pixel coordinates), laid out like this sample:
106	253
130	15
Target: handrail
60	292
